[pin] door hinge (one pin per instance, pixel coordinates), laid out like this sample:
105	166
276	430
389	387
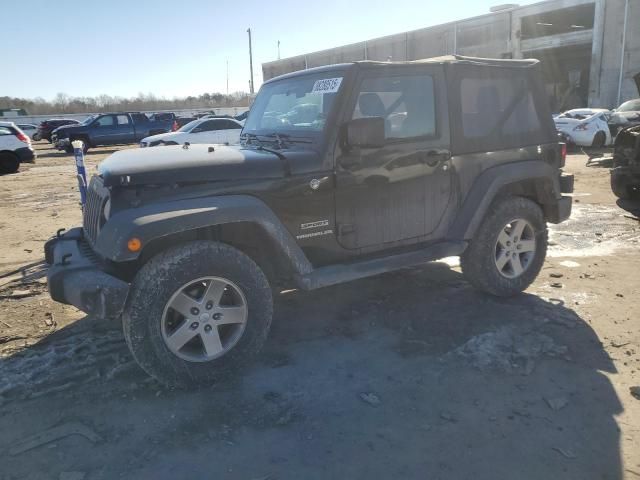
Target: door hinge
346	229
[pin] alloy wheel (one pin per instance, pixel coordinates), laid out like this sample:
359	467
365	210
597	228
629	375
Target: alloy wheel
204	319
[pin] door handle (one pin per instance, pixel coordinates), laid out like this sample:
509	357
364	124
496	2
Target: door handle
437	156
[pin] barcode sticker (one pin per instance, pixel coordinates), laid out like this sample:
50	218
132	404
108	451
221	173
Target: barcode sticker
327	85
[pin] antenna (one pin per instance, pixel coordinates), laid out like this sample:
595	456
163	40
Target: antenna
250	63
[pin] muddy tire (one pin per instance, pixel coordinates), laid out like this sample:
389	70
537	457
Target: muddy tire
9	163
620	187
508	249
599	140
197	313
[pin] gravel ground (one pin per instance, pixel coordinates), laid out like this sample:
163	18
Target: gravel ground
411	374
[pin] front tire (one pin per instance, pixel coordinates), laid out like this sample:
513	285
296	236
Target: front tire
197	313
599	140
509	248
9	163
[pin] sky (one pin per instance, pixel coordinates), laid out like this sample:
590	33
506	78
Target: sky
181	47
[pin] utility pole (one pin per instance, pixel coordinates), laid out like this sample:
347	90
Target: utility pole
278	49
227	77
250	63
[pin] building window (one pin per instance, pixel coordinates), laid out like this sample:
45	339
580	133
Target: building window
565	20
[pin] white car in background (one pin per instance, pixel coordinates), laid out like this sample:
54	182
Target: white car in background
585	127
203	130
29	129
15	148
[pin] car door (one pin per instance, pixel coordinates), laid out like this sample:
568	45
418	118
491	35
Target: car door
104	130
230	132
400	191
8	140
124	130
206	132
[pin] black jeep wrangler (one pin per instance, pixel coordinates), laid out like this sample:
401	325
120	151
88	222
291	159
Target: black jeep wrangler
343	172
625	175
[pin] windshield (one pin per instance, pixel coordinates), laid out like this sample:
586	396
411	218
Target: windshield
88	120
188	126
295	104
630	106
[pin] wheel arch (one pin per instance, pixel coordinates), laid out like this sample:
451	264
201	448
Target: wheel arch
241	221
535	180
81	136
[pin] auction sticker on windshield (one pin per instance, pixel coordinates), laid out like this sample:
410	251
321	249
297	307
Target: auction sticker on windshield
327	85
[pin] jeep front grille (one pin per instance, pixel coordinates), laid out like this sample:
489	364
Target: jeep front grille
97	196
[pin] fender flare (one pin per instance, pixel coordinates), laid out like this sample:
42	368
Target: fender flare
488	185
158	220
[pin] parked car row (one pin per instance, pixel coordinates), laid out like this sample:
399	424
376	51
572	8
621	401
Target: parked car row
596	127
204	130
110	129
132	127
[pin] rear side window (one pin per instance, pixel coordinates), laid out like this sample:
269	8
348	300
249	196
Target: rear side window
5	131
498	110
123	120
229	125
406	103
207	126
498	105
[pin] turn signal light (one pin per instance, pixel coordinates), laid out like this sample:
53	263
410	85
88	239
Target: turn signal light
134	244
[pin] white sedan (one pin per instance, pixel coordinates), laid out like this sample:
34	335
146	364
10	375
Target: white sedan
585	127
203	130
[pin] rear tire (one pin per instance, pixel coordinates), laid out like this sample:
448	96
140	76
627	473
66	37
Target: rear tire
599	140
150	319
9	163
508	249
620	187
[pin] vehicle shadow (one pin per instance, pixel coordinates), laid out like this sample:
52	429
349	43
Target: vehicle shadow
410	374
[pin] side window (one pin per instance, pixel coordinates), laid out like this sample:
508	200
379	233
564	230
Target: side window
123	120
205	127
106	121
5	131
497	106
407	104
229	125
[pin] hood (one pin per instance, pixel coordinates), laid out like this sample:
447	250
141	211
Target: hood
162	136
64	128
175	164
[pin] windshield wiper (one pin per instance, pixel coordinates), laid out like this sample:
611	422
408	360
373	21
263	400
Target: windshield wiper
285	137
280	155
280	139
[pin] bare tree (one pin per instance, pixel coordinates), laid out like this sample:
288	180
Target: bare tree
64	103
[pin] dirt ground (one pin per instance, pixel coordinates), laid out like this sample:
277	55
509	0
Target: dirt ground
407	375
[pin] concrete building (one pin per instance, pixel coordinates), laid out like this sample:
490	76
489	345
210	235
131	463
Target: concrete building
590	49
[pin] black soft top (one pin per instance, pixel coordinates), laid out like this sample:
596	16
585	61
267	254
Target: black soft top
459	60
494	104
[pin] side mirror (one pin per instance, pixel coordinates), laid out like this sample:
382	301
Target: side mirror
366	132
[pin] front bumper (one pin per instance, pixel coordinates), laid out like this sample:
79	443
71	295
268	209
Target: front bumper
560	210
76	278
61	143
631	172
